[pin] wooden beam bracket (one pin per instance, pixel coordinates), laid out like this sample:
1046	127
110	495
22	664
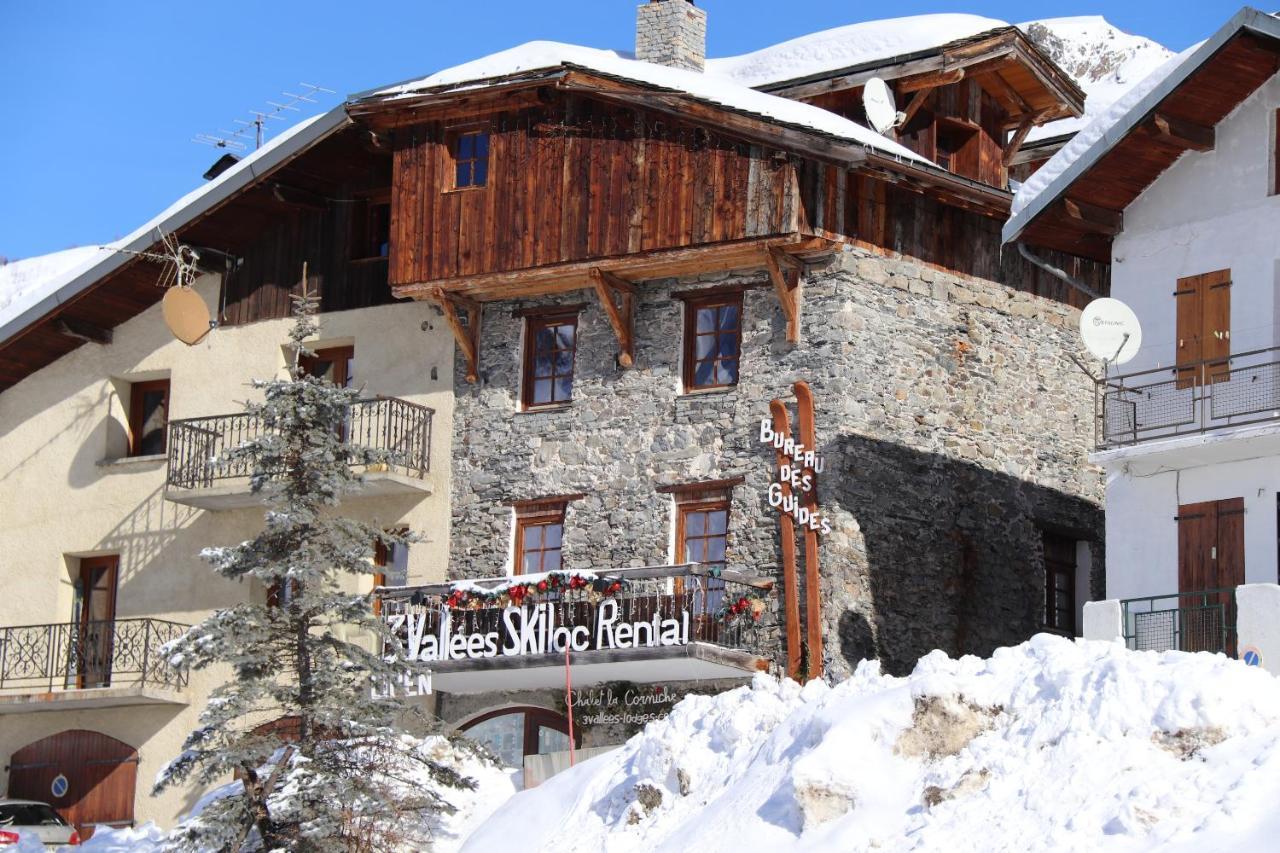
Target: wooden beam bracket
621	314
1185	134
786	283
466	334
1102	220
1019	136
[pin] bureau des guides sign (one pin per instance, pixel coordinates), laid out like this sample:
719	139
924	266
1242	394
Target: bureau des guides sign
795	476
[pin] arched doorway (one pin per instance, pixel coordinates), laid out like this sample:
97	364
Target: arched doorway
513	733
87	776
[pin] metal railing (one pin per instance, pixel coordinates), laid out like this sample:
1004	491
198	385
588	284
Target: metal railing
198	446
1240	389
1202	621
84	655
703	591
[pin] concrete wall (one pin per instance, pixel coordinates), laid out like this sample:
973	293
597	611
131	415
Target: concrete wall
953	427
62	496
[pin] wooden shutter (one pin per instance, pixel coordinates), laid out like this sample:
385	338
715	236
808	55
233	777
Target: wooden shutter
1217	324
1189	296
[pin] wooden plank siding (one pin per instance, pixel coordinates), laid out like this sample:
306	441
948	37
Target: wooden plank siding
577	180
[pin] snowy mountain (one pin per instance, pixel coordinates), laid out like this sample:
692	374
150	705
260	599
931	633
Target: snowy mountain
1105	61
1050	745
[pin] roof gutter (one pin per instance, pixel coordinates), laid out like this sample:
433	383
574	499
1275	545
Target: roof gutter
245	173
1246	19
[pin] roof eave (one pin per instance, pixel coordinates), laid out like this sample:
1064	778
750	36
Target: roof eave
1247	18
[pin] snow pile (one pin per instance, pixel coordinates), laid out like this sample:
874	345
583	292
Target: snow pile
1106	62
107	840
1089	136
1050	745
847	46
711	88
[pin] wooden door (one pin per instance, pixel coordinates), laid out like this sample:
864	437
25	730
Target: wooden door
1210	557
100	776
1203	345
93	646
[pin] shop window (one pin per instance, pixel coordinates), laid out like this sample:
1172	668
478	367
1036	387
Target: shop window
550	348
1059	583
148	417
712	341
539	538
513	733
470	151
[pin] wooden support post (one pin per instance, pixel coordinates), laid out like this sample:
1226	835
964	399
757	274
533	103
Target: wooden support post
621	314
787	285
1019	136
812	577
466	334
787	532
913	106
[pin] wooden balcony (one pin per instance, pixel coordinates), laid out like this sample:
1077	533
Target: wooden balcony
82	665
644	625
199	475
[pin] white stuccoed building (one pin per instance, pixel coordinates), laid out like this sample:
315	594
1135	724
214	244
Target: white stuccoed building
1177	186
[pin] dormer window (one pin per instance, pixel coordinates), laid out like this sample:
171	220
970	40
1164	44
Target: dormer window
470	158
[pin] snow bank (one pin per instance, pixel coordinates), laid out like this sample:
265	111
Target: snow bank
142	839
712	88
1053	745
842	47
1091	135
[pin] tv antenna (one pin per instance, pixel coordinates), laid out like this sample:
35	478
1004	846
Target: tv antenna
183	310
256	127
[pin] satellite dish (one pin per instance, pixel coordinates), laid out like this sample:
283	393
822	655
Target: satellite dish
1110	330
877	102
185	314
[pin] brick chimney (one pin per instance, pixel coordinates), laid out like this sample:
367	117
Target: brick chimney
672	32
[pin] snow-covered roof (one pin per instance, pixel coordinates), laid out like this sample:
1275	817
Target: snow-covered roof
31	288
1102	134
844	47
712	88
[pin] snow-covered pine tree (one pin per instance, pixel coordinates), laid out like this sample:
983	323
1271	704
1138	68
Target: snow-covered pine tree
340	776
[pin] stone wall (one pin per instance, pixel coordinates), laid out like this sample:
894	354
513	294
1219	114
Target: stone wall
672	32
954	430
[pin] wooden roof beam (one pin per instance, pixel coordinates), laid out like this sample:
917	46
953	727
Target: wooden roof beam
931	80
621	314
786	283
1184	134
1091	217
82	331
467	335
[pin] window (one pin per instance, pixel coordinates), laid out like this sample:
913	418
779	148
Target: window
281	593
539	538
549	350
391	567
702	529
371	227
1204	328
712	340
148	417
513	733
1059	583
471	159
337	364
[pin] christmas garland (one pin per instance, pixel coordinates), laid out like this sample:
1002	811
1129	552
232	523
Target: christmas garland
748	604
530	588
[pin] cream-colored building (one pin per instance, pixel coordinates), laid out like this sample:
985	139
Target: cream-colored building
105	508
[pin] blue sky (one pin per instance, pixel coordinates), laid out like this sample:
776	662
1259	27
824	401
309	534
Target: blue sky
101	99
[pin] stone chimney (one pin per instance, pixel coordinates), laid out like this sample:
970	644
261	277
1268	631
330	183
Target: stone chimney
672	32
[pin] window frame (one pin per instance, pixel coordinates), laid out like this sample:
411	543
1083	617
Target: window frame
541	515
343	357
453	139
701	502
137	390
533	323
364	228
381	560
690	361
1052	569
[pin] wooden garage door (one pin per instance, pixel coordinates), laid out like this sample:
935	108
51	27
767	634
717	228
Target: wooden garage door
100	772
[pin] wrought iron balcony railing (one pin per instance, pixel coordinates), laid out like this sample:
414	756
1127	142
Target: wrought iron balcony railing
85	655
197	446
1201	621
1190	398
704	593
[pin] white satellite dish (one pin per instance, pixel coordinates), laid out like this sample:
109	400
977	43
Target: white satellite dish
1110	330
877	101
